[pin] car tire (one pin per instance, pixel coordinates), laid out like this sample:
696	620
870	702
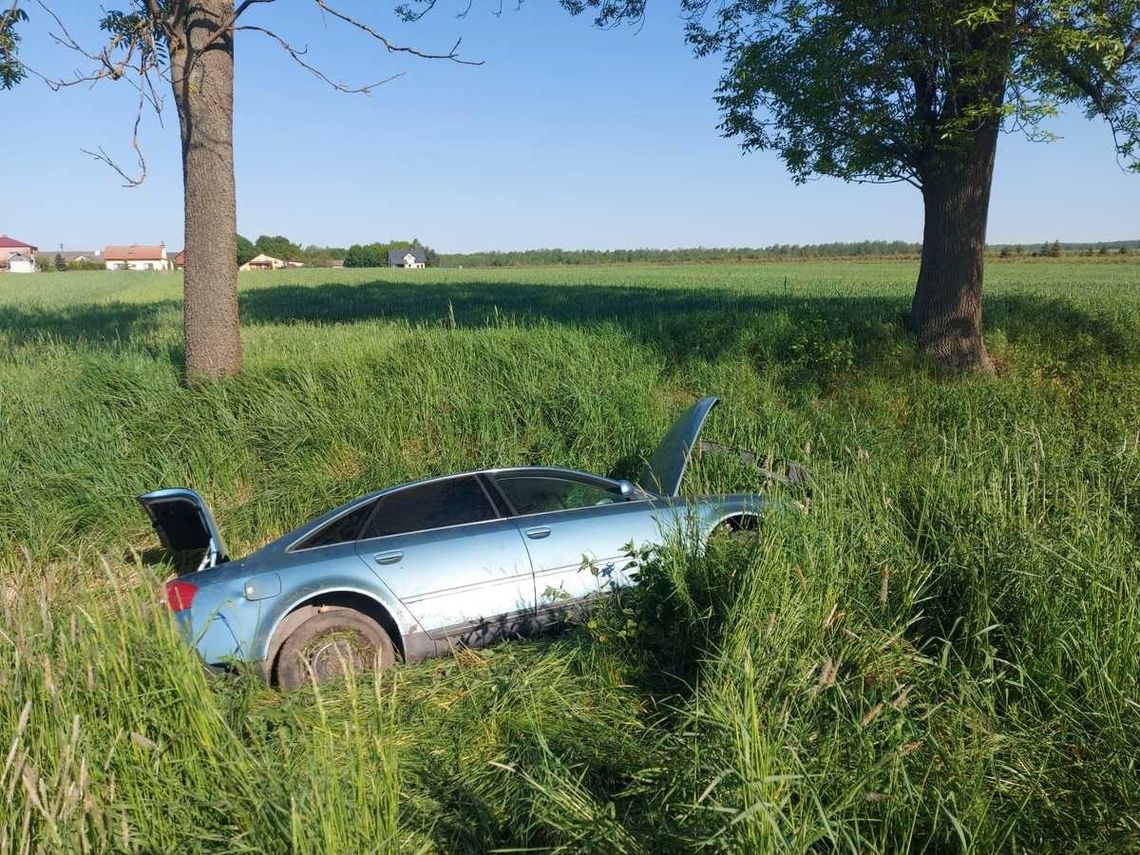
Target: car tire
323	647
737	530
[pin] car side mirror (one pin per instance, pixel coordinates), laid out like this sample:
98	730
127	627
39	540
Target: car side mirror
628	491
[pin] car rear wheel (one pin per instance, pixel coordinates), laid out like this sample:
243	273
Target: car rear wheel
328	645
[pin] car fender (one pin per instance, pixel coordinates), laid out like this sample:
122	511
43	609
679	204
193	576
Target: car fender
277	616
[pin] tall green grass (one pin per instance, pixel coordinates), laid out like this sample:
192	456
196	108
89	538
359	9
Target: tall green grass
941	654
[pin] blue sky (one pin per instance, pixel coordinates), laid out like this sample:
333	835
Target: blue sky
567	136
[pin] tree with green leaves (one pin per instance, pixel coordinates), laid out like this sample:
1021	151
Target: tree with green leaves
376	254
245	250
278	246
367	255
189	47
12	71
915	91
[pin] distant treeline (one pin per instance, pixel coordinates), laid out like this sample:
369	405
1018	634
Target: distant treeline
867	248
376	254
530	257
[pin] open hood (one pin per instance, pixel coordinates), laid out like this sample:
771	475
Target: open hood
666	468
185	527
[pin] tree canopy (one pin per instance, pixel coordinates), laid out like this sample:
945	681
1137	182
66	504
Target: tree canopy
885	90
12	71
278	246
915	91
245	250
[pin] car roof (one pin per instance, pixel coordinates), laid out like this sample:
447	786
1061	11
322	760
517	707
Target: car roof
289	538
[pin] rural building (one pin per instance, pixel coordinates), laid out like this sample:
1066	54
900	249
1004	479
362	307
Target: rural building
265	262
20	263
180	260
136	257
79	255
11	246
410	257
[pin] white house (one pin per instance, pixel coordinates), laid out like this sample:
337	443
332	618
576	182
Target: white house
411	257
20	263
136	257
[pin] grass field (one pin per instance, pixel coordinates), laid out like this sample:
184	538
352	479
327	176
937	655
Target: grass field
941	655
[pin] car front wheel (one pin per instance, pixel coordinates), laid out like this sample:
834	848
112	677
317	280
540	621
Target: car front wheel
328	645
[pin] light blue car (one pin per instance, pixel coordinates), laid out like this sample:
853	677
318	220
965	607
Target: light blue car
414	570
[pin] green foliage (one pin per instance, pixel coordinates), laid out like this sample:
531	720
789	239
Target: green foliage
367	255
523	258
59	263
12	71
376	254
322	256
870	249
935	657
245	250
278	246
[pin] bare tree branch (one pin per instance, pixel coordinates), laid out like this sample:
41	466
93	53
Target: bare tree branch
136	65
130	181
297	54
452	54
135	52
226	27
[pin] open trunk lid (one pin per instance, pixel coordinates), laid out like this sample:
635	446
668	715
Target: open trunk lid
185	527
665	469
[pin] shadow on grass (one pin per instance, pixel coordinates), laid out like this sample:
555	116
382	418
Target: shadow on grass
812	336
95	323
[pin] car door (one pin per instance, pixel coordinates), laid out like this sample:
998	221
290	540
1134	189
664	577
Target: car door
577	529
458	565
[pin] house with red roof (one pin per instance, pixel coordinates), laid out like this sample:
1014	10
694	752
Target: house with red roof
10	247
136	257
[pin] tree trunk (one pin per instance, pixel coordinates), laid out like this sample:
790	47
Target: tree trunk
946	312
202	74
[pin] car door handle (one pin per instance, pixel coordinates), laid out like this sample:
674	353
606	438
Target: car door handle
388	557
538	533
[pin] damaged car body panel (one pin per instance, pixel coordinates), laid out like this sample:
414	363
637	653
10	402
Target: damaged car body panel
411	571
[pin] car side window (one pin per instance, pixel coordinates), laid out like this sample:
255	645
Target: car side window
344	529
537	494
456	501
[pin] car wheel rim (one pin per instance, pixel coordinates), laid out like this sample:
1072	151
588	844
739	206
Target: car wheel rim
334	655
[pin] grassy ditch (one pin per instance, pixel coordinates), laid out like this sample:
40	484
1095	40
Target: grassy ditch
941	655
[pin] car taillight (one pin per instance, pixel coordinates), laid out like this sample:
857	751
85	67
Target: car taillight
180	594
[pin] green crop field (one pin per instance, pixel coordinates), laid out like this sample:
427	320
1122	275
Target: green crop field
942	653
